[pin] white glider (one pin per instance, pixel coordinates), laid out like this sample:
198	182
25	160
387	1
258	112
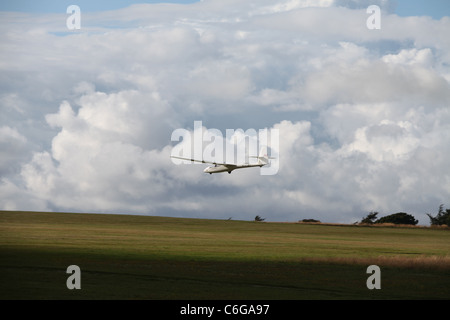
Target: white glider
263	160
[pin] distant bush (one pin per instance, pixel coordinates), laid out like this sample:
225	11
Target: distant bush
442	218
310	220
398	218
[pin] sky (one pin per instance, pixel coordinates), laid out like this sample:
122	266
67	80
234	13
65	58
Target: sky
433	8
363	115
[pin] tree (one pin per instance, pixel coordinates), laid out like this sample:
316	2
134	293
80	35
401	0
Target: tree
258	218
398	218
311	220
443	217
370	219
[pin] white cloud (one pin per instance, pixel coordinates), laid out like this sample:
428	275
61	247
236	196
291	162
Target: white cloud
386	141
99	154
12	147
411	57
363	114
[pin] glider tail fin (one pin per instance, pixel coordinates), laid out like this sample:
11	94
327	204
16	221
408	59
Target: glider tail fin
263	158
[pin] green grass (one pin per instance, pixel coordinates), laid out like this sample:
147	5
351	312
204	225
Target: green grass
140	257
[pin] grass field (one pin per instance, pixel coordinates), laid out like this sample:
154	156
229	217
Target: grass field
141	257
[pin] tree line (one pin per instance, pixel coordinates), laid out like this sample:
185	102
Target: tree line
442	218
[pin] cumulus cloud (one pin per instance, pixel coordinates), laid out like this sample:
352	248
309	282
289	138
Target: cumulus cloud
363	115
12	147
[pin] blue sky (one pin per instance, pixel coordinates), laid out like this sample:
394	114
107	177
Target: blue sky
434	8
